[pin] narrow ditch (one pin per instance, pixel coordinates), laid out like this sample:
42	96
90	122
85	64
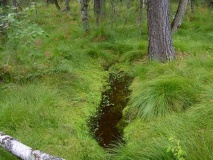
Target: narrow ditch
107	125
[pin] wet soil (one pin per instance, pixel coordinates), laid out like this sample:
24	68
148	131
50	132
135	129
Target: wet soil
107	126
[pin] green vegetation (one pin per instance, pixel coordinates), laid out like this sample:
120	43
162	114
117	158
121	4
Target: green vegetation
50	88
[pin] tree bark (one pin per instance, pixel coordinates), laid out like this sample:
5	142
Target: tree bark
22	151
84	14
54	1
176	23
128	4
15	6
56	4
144	3
99	10
5	3
113	8
103	9
192	6
159	30
67	5
140	17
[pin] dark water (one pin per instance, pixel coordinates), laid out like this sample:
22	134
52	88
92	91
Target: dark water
107	126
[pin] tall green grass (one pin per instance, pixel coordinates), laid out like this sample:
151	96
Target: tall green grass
170	100
48	97
163	95
151	140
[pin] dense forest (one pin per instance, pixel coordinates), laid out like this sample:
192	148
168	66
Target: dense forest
106	80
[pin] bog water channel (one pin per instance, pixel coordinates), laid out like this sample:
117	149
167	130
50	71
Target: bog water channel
107	125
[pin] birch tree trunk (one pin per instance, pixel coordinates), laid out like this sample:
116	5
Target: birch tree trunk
176	23
22	151
84	14
159	30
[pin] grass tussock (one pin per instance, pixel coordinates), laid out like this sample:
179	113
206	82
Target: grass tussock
162	95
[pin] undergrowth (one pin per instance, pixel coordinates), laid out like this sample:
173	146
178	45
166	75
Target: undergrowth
50	89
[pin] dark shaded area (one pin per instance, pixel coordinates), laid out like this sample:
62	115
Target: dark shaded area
107	126
54	1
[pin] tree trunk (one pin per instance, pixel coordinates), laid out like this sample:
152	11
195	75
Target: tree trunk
113	8
140	17
15	6
67	5
144	3
3	3
99	10
114	12
128	4
102	9
56	4
84	14
53	1
176	23
22	151
192	6
159	28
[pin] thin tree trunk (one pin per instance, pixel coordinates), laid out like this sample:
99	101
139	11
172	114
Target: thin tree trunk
113	7
144	3
47	2
15	5
56	4
53	1
114	13
4	3
67	5
159	28
19	5
22	151
36	11
102	11
97	10
176	23
128	4
140	17
84	14
192	6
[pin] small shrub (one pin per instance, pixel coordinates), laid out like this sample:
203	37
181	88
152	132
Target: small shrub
176	149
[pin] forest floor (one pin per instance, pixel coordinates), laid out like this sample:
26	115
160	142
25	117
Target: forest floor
52	87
